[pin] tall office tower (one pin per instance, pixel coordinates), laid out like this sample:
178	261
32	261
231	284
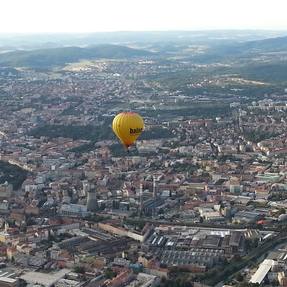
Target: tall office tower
92	203
154	188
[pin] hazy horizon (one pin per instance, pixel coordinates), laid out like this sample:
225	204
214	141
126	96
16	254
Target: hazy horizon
74	16
145	31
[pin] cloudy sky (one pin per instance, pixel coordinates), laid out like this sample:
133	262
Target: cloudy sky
35	16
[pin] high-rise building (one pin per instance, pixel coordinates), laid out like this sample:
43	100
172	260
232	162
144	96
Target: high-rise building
154	187
141	198
86	188
92	203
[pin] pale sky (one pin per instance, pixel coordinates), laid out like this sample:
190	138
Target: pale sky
34	16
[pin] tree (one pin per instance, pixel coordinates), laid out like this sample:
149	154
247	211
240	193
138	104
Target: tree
80	269
109	273
282	211
239	277
245	284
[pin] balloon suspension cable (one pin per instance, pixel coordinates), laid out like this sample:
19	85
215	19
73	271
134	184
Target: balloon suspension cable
128	153
129	106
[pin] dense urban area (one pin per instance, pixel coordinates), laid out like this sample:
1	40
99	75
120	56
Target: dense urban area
199	200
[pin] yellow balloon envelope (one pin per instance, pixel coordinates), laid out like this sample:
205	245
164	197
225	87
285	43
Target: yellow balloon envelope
128	126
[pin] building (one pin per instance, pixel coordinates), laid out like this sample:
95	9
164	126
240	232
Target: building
68	283
6	190
74	210
125	232
262	271
282	278
8	282
149	206
44	279
120	280
145	280
4	207
92	203
246	217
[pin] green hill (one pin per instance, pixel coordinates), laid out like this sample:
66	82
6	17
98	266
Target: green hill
235	51
44	58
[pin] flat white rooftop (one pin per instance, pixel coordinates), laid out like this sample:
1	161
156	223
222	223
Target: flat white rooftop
262	271
44	279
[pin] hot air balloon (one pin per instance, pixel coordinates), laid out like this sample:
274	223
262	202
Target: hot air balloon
128	126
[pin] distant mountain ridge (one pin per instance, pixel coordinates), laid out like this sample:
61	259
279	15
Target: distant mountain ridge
43	58
246	49
216	51
270	44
